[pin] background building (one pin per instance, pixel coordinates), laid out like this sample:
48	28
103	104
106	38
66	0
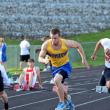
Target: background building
37	17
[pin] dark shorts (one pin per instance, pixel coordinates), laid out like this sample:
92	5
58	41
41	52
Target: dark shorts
64	75
24	58
1	83
107	73
102	80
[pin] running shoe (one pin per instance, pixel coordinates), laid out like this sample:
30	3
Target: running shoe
69	103
61	106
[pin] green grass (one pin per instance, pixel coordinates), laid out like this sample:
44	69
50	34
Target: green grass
92	63
12	41
14	71
90	37
17	41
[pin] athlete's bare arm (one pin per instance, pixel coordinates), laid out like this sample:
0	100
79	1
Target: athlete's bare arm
39	77
74	44
21	78
97	47
42	53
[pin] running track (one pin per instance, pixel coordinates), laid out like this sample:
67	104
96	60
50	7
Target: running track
81	87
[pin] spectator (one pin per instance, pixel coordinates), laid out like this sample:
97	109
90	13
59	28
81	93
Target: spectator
30	75
3	57
25	51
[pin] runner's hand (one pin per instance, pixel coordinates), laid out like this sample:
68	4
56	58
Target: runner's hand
46	61
85	63
93	57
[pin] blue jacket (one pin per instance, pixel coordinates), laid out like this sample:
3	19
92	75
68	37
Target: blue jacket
4	58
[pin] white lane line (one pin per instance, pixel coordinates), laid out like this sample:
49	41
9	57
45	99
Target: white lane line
84	79
78	80
28	104
77	89
45	90
87	71
93	101
82	92
25	94
81	73
41	101
79	84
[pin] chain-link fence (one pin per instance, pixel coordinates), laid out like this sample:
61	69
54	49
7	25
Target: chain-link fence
13	53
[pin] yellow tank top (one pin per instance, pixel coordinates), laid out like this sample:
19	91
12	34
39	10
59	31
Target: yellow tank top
58	57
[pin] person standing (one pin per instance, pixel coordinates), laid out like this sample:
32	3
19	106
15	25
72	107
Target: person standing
3	59
57	49
3	47
24	51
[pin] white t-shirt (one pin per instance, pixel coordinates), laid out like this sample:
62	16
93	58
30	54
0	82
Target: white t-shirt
106	44
24	45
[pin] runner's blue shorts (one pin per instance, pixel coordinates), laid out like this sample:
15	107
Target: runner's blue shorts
64	70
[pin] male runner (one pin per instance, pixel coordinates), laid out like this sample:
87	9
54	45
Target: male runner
105	44
57	49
